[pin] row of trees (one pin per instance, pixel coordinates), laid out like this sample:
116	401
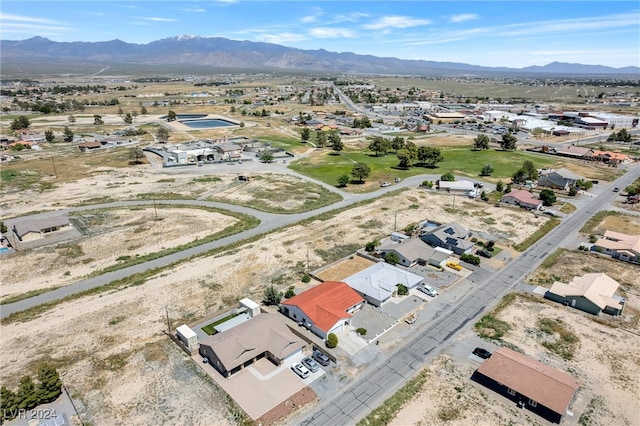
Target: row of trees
30	394
507	143
621	136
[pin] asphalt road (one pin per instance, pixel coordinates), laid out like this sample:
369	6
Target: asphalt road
268	223
381	379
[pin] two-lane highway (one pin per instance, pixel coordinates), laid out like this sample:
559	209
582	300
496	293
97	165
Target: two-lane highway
382	379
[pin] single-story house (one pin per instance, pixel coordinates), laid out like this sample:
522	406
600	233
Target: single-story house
619	246
543	390
378	283
453	236
263	336
414	251
591	293
558	179
610	157
463	187
522	198
575	152
325	308
33	229
88	146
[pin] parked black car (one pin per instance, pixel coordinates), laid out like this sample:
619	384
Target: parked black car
483	253
482	353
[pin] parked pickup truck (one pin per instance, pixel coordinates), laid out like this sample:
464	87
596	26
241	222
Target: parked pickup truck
454	265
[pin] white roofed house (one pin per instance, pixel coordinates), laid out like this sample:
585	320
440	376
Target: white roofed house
32	229
415	251
229	151
619	246
592	293
378	283
462	187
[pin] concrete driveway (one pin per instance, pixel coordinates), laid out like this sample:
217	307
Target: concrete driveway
262	386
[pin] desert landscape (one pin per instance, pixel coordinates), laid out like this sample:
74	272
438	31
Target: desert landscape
145	367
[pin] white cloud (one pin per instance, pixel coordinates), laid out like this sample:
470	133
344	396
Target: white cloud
17	24
281	38
463	17
396	22
156	19
331	32
349	17
198	10
4	17
570	25
309	19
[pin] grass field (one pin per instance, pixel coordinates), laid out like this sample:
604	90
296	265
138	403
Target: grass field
328	167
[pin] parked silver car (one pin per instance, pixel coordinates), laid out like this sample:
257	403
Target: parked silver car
310	364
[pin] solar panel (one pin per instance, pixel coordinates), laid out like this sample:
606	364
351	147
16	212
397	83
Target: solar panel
449	231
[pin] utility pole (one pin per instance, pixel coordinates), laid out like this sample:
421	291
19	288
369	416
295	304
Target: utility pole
307	260
154	209
55	173
166	309
395	222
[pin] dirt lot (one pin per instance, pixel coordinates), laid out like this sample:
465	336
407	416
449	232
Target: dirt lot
344	268
609	392
110	349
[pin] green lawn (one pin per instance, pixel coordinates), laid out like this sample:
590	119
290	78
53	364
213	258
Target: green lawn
462	161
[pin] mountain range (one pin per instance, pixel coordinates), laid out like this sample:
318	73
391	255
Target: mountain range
215	54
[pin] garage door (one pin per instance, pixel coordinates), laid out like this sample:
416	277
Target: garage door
293	355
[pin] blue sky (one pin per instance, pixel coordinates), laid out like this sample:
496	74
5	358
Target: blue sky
501	33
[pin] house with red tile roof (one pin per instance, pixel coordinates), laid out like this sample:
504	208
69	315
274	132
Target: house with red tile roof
325	308
522	198
619	246
542	389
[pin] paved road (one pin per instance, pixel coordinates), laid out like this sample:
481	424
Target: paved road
381	379
268	223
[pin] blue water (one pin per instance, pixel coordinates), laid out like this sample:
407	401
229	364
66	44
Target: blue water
4	249
206	124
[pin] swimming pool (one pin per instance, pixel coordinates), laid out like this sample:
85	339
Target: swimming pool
207	123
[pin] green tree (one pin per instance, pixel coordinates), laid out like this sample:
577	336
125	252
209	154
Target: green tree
429	156
8	404
128	118
380	145
406	158
305	134
26	395
136	154
321	139
397	143
72	119
481	142
143	110
290	292
470	258
487	169
171	116
448	177
344	180
49	136
623	136
499	186
241	124
371	246
50	385
391	258
68	135
336	142
97	120
519	176
483	196
19	123
332	340
120	111
548	197
508	142
507	189
402	289
612	137
272	296
530	170
162	135
360	171
266	157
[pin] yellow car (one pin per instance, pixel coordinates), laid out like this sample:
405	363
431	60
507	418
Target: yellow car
454	266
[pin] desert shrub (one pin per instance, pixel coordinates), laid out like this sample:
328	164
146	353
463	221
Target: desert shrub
361	331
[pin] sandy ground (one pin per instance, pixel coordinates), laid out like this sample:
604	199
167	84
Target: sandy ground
605	358
110	349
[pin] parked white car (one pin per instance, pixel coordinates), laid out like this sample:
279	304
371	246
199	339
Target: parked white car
428	290
300	370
